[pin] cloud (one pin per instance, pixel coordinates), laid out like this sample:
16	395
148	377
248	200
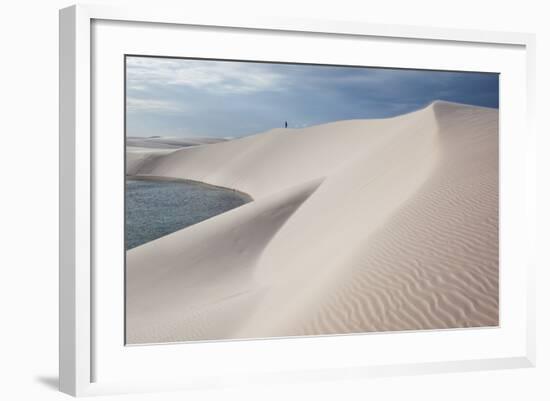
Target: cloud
214	76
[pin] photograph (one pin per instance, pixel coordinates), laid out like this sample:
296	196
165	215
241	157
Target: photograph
272	199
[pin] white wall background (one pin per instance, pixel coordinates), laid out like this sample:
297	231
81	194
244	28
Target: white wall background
28	197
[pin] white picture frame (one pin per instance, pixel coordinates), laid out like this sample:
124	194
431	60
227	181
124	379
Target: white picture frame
80	348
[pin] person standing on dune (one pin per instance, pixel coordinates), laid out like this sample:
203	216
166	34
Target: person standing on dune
286	124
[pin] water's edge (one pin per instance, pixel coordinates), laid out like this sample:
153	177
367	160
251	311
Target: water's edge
174	179
158	206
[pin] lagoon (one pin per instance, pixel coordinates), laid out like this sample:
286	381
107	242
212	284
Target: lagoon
158	208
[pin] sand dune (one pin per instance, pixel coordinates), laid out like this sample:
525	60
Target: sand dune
359	225
157	142
136	157
140	150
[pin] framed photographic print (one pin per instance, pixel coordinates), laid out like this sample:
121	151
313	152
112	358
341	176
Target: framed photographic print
276	200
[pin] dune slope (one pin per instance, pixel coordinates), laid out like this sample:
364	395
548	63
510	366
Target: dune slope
376	225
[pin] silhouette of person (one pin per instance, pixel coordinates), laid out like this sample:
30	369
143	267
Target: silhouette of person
286	124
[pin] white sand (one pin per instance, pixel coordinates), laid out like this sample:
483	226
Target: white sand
158	142
361	225
139	150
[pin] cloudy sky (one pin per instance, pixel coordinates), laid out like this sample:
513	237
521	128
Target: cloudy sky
195	98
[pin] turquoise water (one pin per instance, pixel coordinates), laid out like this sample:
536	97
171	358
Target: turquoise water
157	208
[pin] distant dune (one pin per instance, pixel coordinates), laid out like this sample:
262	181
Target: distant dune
356	226
158	142
142	149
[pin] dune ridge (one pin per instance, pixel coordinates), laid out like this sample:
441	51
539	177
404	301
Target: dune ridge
393	225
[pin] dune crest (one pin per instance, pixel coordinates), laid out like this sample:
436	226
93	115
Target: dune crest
387	224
